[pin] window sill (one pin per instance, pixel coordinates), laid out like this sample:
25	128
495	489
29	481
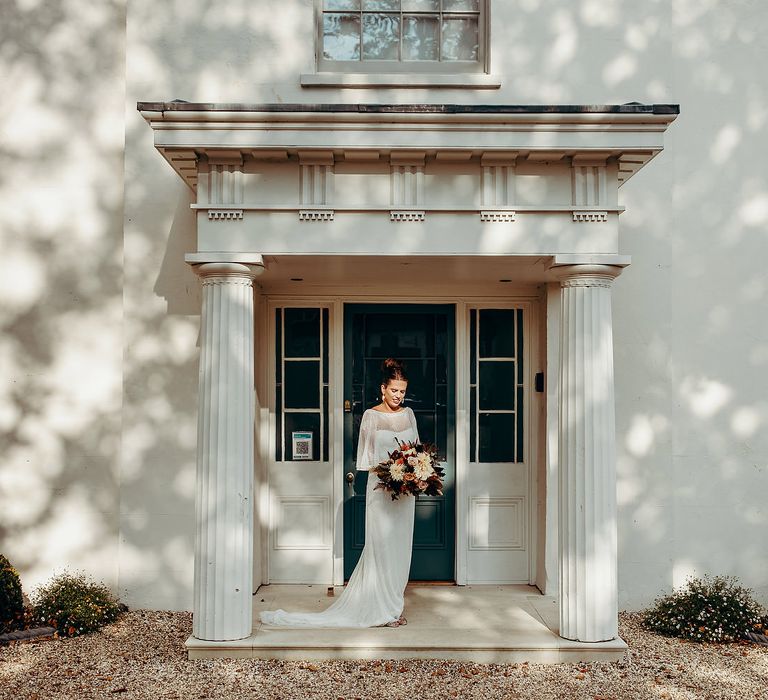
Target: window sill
478	81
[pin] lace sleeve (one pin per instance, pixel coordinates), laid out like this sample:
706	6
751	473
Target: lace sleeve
412	418
366	443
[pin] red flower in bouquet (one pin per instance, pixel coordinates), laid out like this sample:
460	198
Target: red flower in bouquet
412	469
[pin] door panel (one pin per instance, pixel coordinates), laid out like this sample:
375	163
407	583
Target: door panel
498	488
422	336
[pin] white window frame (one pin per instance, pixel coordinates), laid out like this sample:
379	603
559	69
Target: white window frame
407	70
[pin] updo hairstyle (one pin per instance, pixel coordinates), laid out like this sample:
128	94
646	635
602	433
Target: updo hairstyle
392	369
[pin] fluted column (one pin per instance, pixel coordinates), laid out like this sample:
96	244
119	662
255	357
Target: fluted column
587	455
224	496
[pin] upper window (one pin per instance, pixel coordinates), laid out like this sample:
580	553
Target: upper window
402	35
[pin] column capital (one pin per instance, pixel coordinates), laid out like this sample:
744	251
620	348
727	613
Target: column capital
226	264
586	275
210	272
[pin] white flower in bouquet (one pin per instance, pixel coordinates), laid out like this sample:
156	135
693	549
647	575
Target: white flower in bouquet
413	461
396	471
423	469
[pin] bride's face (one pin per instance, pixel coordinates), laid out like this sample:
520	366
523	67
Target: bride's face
393	393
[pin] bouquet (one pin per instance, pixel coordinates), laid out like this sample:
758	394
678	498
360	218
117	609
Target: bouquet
411	469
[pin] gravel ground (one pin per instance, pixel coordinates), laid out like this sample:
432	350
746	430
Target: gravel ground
142	656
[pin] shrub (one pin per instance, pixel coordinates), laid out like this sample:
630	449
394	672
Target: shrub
74	604
11	600
709	609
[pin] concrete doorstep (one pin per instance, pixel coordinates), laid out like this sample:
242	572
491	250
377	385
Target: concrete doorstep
484	624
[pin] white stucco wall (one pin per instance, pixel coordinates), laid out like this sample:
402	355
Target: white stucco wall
691	349
61	202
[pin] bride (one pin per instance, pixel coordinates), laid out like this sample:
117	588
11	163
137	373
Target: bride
374	595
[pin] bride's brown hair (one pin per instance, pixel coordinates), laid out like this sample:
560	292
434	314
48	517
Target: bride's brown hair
392	369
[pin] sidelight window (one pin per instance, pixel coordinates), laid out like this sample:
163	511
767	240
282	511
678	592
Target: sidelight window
496	385
301	386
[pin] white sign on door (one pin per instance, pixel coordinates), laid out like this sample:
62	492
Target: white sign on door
302	445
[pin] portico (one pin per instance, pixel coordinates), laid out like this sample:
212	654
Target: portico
498	208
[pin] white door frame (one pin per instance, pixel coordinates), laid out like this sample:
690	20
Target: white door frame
527	299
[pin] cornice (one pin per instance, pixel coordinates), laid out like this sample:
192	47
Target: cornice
413	108
225	135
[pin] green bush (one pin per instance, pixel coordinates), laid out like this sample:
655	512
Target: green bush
74	604
709	609
11	601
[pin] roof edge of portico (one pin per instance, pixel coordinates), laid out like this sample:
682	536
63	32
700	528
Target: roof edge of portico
628	134
178	110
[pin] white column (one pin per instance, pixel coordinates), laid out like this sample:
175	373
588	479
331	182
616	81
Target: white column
224	497
587	455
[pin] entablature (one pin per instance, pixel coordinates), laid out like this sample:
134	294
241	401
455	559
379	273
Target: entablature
336	168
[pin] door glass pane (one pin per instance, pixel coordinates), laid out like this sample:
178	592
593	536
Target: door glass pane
302	332
341	4
421	37
358	406
472	424
497	333
372	388
441	349
381	37
302	384
399	335
326	422
341	37
304	422
421	385
278	345
520	353
497	386
472	345
325	345
426	424
358	325
497	437
461	5
421	5
519	457
441	421
460	39
279	422
381	5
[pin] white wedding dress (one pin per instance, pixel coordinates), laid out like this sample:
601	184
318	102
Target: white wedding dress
374	594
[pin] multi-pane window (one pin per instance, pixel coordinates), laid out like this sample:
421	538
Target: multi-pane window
496	385
444	33
301	387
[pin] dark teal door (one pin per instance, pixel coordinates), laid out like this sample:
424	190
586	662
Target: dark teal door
422	336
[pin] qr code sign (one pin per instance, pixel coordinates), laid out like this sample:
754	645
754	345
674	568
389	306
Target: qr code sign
302	445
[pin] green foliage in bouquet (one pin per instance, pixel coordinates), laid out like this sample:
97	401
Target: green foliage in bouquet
11	600
74	605
412	469
709	609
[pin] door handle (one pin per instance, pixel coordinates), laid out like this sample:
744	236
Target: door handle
350	477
